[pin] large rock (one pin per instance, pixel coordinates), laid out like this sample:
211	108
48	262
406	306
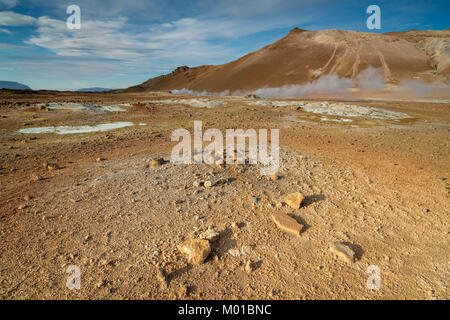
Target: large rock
294	200
287	223
197	250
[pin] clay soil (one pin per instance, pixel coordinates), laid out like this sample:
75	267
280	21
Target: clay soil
380	186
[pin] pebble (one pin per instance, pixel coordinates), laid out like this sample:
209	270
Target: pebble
37	177
211	234
208	183
156	163
248	267
52	166
197	183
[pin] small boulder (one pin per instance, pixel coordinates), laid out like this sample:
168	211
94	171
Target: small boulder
294	200
197	250
343	251
287	223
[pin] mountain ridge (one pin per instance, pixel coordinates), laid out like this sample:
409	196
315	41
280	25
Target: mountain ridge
304	56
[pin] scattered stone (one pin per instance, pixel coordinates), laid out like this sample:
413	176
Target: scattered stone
237	225
294	200
52	166
248	267
343	251
287	223
197	250
161	275
255	200
100	159
37	177
211	234
236	252
273	177
197	184
208	183
156	162
27	198
101	283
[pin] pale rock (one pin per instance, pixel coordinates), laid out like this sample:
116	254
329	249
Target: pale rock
343	251
287	223
197	250
294	200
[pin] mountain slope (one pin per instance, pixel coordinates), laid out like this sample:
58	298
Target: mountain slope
303	56
13	85
94	89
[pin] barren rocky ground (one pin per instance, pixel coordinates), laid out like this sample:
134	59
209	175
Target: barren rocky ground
377	184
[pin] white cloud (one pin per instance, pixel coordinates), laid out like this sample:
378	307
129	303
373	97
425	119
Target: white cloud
12	19
115	45
8	4
5	31
184	41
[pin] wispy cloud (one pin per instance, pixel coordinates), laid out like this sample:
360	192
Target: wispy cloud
8	4
185	41
12	19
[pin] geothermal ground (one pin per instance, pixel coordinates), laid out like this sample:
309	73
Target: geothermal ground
375	176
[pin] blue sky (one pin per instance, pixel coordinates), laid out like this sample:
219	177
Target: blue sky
123	43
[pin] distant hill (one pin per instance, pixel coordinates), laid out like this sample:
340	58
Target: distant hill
94	89
13	85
